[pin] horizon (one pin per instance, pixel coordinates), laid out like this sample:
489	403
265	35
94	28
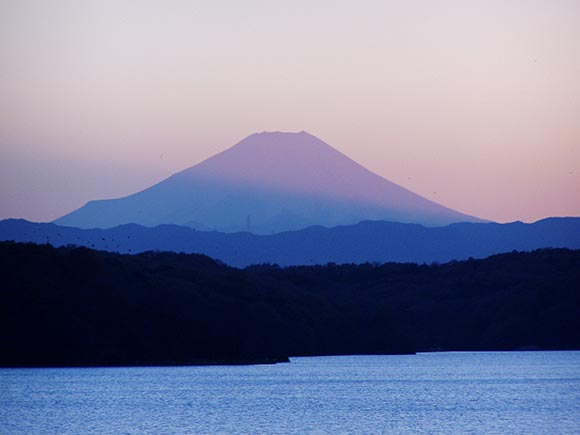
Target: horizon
472	105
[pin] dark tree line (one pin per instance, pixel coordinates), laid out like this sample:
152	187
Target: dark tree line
76	306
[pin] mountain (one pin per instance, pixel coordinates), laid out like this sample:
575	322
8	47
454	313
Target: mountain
364	242
268	183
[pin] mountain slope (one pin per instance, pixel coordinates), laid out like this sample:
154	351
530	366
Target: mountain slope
268	183
360	243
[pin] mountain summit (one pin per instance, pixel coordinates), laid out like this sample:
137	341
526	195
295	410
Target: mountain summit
269	182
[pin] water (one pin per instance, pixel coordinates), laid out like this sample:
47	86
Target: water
515	393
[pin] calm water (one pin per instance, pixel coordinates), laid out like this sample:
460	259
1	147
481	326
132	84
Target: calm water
525	393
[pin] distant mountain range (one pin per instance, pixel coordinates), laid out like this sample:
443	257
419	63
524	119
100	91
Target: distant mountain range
370	241
269	182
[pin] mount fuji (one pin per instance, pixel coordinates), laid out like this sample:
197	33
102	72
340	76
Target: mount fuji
268	183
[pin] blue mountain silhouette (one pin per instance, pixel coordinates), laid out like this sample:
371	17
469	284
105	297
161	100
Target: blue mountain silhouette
370	241
268	183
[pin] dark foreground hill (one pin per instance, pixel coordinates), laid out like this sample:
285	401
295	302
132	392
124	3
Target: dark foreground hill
76	306
367	241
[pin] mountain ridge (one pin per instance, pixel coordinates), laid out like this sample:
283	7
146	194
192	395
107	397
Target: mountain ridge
369	241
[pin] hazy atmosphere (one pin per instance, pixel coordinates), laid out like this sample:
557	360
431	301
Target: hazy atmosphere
473	104
300	217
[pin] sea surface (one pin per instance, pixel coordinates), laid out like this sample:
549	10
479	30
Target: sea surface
511	393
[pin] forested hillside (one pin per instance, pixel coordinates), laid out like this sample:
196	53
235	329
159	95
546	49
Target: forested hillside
76	306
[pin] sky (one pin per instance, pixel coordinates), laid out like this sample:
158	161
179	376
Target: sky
474	104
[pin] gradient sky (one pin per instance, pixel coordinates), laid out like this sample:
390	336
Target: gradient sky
474	104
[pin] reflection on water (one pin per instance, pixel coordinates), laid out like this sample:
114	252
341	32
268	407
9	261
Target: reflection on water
511	393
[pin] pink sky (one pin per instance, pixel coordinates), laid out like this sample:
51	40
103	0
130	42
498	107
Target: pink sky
473	104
